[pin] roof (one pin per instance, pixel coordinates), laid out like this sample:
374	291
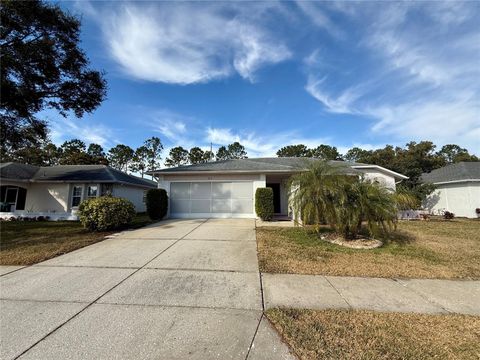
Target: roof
71	173
11	170
262	165
459	172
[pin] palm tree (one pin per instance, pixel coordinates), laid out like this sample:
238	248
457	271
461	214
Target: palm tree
344	199
314	193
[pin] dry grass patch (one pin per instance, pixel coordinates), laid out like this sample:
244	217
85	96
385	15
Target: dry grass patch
419	249
348	334
27	243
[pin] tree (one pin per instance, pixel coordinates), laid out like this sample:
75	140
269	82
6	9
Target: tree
176	157
452	153
222	154
120	157
74	152
139	161
326	152
154	149
196	155
97	154
42	68
51	154
208	156
299	150
236	151
356	154
327	193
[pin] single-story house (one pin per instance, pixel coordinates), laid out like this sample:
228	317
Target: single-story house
56	191
227	188
457	189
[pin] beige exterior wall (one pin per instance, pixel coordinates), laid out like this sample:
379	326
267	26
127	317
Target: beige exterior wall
47	197
460	198
382	178
134	194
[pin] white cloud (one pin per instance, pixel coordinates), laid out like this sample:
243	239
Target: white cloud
63	129
423	76
258	146
341	104
319	17
185	43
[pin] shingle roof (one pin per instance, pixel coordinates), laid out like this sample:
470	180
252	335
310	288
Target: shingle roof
288	164
273	164
11	170
455	172
71	173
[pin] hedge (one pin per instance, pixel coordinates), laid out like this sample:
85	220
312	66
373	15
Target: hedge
264	203
106	213
157	203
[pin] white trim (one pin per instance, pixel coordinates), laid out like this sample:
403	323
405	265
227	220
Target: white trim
454	181
390	172
52	216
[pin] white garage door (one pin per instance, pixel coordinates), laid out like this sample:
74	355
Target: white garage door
211	199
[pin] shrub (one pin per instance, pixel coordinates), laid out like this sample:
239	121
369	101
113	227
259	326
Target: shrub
106	213
264	203
447	215
477	211
157	203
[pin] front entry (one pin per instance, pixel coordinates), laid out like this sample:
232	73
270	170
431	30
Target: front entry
276	197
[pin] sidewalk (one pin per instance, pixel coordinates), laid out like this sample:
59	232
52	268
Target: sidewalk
378	294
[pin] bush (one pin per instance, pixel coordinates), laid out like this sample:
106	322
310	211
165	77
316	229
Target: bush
264	203
447	215
157	203
106	213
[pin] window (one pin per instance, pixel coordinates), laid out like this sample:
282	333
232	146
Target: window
144	199
76	196
107	189
92	191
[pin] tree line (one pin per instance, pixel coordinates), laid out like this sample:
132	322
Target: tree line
412	160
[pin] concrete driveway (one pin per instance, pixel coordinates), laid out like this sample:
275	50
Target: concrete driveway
179	289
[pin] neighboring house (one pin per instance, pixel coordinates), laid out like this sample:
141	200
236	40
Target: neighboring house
457	189
227	188
56	191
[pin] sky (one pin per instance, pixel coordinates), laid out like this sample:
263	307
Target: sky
270	74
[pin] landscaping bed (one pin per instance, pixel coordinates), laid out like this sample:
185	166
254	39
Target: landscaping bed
418	249
348	334
30	242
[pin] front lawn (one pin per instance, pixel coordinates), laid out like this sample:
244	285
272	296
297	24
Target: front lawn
26	243
419	249
348	334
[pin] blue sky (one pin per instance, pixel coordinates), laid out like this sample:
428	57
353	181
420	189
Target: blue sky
271	74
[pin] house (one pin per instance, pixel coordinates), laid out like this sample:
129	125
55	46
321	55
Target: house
457	189
56	191
227	188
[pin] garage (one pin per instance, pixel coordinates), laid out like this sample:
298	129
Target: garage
212	199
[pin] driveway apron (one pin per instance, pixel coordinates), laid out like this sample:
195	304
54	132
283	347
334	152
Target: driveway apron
178	289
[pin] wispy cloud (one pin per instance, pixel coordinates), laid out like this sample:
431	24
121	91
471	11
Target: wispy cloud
419	86
185	43
260	145
319	17
63	129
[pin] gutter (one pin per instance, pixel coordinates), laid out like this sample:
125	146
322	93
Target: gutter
454	181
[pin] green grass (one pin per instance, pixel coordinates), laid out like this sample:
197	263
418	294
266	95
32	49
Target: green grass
26	243
358	335
434	249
